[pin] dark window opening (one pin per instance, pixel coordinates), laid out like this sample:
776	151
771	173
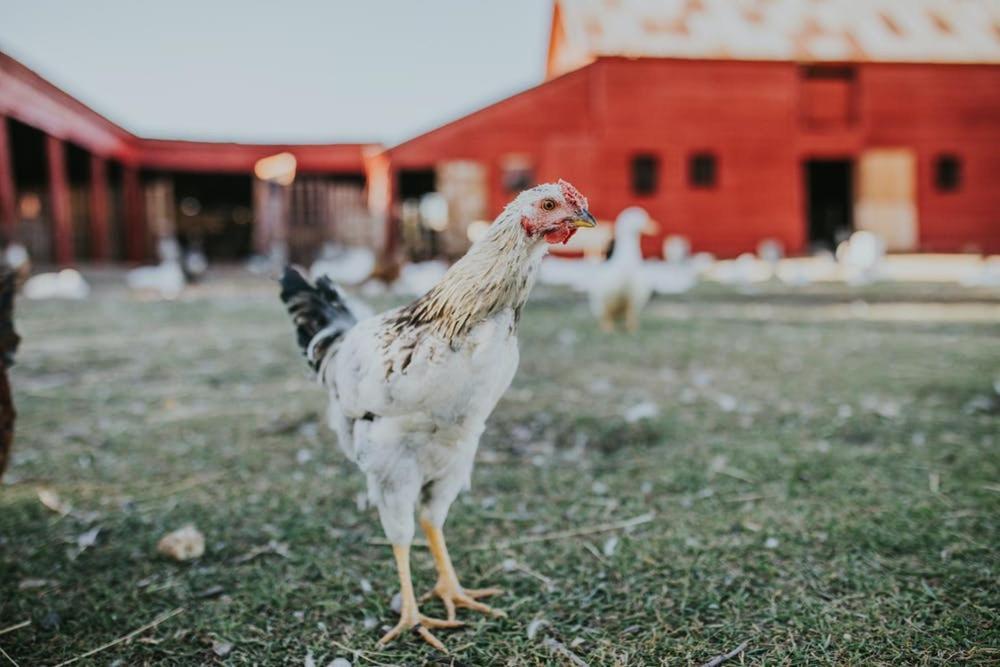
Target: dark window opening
645	174
830	201
516	173
948	173
515	180
703	170
828	72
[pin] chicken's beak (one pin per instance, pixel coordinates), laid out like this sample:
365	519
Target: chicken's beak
585	219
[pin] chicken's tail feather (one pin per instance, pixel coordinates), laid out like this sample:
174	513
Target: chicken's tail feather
319	313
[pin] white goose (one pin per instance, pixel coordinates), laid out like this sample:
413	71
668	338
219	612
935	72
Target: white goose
621	289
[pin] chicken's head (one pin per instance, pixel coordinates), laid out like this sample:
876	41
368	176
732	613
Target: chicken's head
553	212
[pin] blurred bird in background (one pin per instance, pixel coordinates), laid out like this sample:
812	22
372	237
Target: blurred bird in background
620	290
410	389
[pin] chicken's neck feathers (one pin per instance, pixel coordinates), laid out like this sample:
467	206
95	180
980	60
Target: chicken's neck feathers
496	273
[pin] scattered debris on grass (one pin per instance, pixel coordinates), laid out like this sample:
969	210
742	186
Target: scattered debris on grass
149	626
185	543
272	547
51	500
31	583
640	411
566	534
222	649
84	541
535	626
610	545
719	659
558	648
16	626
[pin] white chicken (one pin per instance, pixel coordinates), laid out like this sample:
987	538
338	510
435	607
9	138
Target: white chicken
410	389
620	289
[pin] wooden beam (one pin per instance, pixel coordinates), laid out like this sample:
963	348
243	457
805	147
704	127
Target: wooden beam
62	223
29	98
100	241
8	207
135	228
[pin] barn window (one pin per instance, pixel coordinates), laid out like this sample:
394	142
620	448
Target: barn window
948	173
516	173
703	170
645	174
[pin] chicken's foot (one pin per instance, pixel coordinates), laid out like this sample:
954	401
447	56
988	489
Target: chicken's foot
447	587
410	617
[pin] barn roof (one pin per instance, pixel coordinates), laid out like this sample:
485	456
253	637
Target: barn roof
962	31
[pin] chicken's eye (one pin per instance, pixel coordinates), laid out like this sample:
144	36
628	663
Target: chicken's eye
549	204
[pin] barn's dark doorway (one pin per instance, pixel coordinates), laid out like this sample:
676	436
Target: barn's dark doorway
31	183
830	201
419	242
414	183
214	214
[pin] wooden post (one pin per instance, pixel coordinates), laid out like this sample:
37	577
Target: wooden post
8	207
135	229
100	244
261	233
62	223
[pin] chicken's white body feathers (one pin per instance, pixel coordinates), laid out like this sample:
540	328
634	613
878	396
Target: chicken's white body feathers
410	389
425	419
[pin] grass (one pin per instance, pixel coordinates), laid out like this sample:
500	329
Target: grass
822	467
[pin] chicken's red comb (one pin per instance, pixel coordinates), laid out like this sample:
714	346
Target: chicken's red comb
572	195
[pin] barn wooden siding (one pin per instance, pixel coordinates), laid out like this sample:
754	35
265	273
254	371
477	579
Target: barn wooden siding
762	121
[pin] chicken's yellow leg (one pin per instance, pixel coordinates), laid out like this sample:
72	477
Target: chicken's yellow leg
447	587
409	614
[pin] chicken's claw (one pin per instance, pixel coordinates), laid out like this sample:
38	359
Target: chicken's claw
420	625
455	596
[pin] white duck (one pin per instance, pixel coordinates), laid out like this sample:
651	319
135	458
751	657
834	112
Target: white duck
621	290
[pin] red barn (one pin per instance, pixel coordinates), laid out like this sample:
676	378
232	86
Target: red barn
734	122
731	121
76	187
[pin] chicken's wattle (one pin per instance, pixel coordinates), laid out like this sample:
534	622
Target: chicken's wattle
561	235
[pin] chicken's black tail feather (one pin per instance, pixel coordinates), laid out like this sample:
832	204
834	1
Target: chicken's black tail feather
319	313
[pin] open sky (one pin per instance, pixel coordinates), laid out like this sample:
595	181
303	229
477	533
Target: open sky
289	70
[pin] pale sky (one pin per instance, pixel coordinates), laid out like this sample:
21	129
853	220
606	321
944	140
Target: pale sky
283	70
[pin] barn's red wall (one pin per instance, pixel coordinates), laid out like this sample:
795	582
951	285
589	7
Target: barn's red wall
943	109
673	109
762	124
